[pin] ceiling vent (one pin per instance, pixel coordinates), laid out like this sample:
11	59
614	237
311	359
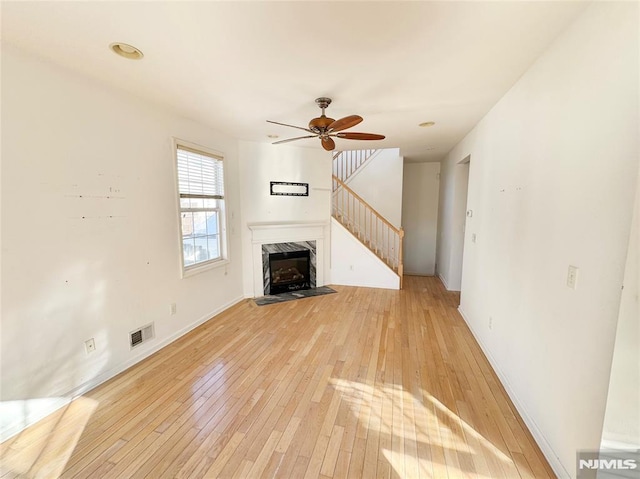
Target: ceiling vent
141	335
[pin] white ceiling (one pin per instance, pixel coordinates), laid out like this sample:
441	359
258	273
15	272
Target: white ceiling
233	65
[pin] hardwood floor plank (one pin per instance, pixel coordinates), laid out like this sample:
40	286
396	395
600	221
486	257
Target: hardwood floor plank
342	464
199	458
356	464
130	464
333	450
89	470
364	383
287	435
265	454
225	455
271	470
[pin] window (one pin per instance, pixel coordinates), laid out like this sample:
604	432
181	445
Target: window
201	196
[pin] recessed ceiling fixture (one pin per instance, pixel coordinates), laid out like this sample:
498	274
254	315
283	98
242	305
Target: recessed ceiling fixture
427	124
126	51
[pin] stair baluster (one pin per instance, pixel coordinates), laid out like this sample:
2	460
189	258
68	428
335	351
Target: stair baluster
384	240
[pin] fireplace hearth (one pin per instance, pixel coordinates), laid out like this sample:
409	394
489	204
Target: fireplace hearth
289	271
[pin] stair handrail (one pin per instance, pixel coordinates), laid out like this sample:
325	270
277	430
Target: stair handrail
375	212
371	236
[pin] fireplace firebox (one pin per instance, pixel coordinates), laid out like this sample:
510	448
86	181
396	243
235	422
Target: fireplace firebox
289	271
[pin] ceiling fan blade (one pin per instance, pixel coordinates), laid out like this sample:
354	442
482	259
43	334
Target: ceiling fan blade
293	139
328	143
359	136
344	123
292	126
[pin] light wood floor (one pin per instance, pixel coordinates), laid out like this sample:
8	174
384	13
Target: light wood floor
365	383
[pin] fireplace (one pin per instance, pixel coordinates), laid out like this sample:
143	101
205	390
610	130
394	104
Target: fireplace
287	236
289	271
300	251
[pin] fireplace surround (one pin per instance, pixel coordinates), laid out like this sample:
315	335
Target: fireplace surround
277	237
286	250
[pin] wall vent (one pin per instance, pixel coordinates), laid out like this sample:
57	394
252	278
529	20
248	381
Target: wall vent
141	335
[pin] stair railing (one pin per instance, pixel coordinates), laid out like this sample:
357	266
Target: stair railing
368	226
346	163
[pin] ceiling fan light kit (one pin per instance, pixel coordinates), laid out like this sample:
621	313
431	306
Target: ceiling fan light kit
325	128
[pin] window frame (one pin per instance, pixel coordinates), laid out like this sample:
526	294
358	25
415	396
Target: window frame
221	208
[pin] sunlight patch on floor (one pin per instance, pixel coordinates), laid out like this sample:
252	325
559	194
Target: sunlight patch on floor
469	430
44	449
390	410
18	414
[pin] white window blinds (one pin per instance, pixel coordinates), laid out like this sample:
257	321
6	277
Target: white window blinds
199	175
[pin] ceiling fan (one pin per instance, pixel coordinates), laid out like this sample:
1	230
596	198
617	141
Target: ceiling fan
325	128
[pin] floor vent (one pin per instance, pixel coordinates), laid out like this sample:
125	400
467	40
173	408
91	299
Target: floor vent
141	335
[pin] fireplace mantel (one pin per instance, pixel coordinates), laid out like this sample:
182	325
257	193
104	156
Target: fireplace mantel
284	232
263	232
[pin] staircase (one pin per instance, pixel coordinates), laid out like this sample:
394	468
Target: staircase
358	217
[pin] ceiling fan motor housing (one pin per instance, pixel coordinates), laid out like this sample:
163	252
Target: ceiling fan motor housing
320	124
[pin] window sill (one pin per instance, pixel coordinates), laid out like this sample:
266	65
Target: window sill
193	270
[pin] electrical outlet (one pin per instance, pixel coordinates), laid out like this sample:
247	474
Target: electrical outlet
490	322
351	267
572	277
172	309
473	237
90	345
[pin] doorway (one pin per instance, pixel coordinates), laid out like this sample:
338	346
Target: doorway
461	216
420	196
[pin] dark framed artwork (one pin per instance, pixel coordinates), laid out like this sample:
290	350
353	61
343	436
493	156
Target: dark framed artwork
287	188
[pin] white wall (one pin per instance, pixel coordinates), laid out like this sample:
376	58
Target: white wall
379	183
452	222
76	264
622	419
352	263
553	171
261	163
420	217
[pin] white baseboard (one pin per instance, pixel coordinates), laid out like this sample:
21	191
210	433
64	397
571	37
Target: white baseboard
620	445
23	413
444	281
538	436
61	400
